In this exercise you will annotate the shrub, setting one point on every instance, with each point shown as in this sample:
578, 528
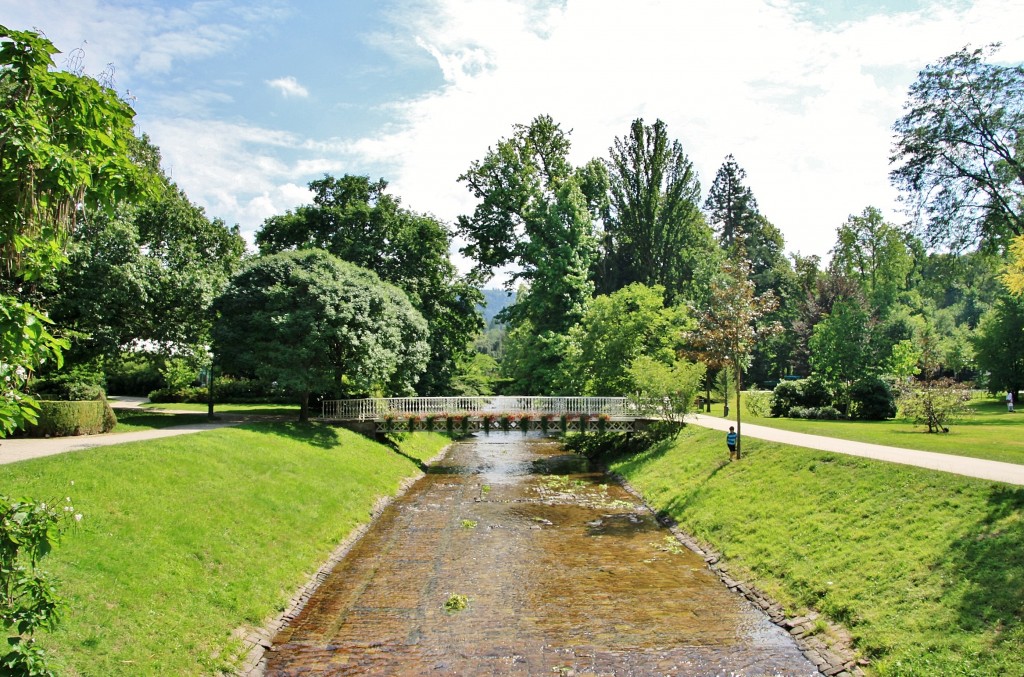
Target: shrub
134, 374
62, 419
815, 394
81, 382
872, 399
823, 413
786, 396
758, 403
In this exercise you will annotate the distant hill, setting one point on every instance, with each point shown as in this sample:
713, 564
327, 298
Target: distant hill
494, 301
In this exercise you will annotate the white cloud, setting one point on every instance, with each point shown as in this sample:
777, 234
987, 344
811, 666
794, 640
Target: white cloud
802, 107
288, 87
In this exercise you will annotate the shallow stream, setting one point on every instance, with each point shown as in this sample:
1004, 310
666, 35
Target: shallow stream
563, 572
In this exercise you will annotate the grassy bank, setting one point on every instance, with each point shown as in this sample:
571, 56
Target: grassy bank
187, 539
925, 568
989, 432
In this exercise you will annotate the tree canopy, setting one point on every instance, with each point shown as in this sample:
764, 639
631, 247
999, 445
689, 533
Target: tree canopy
958, 148
314, 323
357, 220
654, 232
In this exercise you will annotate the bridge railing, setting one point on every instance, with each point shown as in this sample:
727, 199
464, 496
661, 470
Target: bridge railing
378, 408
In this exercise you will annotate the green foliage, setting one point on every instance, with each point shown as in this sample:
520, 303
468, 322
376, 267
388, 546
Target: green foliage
360, 222
29, 600
61, 419
534, 361
315, 323
839, 348
758, 403
875, 253
935, 403
135, 374
25, 343
817, 413
615, 330
456, 602
803, 393
999, 345
81, 382
655, 233
958, 150
665, 391
902, 362
534, 211
871, 399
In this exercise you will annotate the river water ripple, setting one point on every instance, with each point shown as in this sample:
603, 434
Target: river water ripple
564, 574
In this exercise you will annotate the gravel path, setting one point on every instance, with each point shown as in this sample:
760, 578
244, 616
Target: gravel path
997, 471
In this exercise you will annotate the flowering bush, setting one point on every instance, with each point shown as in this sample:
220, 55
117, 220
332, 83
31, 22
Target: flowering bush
28, 598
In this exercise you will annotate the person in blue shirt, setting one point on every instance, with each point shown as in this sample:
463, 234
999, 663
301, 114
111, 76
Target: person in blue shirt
730, 440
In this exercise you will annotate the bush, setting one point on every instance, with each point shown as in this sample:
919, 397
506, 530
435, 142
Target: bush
758, 403
226, 390
815, 394
822, 413
62, 419
786, 396
81, 382
134, 374
871, 399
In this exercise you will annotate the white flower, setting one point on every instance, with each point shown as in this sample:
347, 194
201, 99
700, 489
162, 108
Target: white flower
78, 517
42, 506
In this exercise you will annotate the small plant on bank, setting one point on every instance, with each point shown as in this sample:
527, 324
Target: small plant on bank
469, 524
455, 603
28, 598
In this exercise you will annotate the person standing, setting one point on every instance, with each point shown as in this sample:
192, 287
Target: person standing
1009, 401
730, 441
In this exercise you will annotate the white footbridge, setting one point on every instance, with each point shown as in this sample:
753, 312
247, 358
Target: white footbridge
489, 413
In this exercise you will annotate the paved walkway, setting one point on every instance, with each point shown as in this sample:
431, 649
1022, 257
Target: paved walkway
997, 471
24, 448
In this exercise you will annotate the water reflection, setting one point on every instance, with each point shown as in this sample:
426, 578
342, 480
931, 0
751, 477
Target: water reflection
563, 570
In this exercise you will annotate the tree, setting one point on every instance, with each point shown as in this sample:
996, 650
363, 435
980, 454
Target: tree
65, 150
875, 254
534, 212
999, 346
840, 349
654, 233
665, 391
615, 331
360, 222
935, 403
731, 323
958, 150
315, 323
731, 206
147, 274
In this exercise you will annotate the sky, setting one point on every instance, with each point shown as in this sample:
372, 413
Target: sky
249, 100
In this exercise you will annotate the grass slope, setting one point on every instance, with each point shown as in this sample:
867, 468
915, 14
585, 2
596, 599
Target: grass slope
925, 568
187, 539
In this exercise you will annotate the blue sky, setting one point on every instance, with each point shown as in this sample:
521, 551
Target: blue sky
251, 99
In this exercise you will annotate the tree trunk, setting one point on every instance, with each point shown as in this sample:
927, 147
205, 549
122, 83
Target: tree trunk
304, 407
739, 429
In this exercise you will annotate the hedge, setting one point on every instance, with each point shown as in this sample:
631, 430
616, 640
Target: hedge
61, 419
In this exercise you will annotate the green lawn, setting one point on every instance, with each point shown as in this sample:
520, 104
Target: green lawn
132, 420
925, 568
187, 539
989, 432
267, 409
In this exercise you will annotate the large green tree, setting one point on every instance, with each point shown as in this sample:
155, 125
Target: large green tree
876, 254
840, 350
957, 150
535, 213
315, 323
357, 220
145, 274
654, 233
65, 151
